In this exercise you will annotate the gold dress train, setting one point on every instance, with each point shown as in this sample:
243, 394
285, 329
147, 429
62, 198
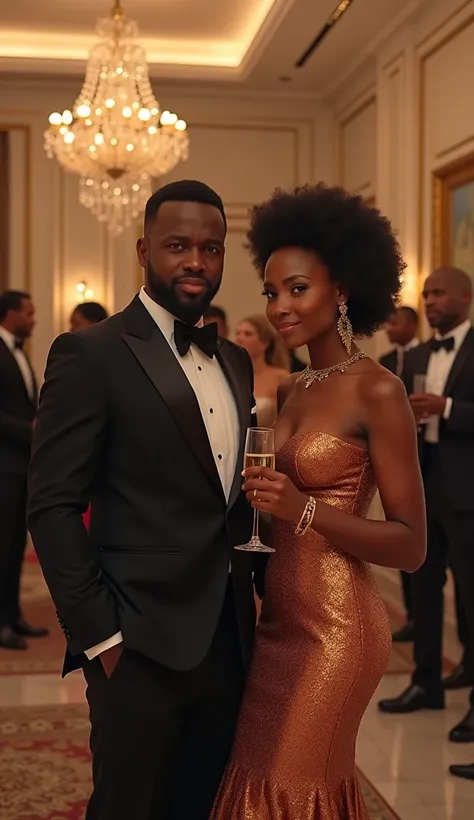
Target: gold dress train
322, 645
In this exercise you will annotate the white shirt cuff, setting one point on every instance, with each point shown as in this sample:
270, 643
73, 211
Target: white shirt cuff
102, 647
448, 407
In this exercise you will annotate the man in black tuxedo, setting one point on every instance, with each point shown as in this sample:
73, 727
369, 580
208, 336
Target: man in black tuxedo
445, 413
402, 330
144, 415
18, 400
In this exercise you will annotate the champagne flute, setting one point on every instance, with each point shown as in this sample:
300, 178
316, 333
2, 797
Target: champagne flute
419, 387
259, 452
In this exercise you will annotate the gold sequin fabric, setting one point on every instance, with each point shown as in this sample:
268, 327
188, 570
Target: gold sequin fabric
322, 645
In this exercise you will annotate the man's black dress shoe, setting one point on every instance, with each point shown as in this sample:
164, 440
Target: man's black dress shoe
10, 640
25, 629
464, 731
404, 635
458, 679
411, 700
467, 772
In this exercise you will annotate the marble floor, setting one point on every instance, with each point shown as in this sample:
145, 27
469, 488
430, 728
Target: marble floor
405, 757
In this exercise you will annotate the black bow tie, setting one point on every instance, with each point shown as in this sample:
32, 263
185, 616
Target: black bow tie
439, 344
204, 337
18, 344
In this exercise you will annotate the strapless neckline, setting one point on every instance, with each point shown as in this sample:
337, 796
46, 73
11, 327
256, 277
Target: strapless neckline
323, 434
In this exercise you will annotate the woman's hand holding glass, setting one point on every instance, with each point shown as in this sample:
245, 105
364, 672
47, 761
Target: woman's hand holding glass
274, 493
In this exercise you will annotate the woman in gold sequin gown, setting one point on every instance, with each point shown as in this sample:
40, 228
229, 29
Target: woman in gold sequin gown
323, 639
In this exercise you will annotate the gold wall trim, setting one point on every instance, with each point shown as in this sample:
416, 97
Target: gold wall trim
272, 127
455, 147
442, 25
445, 180
399, 56
423, 59
342, 124
26, 130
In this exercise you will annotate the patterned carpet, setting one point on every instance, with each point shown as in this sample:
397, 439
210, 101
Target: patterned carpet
45, 768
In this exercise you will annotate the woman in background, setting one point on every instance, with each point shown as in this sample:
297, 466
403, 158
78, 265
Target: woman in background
87, 314
270, 364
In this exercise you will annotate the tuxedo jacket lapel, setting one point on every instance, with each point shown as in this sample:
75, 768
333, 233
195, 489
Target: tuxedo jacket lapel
158, 361
465, 354
416, 362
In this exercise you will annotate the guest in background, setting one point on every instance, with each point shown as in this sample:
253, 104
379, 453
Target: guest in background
445, 415
218, 315
18, 400
270, 364
402, 330
87, 314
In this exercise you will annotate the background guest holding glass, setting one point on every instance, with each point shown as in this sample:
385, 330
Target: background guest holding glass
445, 415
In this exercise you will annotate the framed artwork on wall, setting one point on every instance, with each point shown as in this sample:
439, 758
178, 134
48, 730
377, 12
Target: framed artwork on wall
453, 216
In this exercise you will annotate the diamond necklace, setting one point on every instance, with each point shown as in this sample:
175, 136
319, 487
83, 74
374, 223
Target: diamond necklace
309, 376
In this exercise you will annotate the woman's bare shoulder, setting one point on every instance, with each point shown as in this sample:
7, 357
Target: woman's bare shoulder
378, 385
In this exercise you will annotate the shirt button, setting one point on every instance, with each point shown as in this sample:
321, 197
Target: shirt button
211, 410
219, 457
199, 367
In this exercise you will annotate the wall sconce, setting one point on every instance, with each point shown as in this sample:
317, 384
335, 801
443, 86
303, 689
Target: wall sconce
83, 292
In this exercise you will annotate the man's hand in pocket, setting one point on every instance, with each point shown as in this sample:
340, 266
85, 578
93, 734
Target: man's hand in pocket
110, 658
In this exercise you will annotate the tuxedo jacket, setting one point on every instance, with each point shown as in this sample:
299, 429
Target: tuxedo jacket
17, 412
456, 434
390, 361
119, 426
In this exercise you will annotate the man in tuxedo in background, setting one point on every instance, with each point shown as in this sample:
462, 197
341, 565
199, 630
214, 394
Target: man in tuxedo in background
218, 315
445, 414
145, 415
402, 328
18, 400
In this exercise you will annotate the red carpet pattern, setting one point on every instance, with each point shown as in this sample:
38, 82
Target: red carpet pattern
45, 767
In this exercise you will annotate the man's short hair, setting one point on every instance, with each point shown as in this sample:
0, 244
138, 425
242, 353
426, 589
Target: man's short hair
215, 312
186, 190
92, 312
410, 313
11, 300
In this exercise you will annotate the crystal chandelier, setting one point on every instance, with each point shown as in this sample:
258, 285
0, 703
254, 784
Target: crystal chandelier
116, 137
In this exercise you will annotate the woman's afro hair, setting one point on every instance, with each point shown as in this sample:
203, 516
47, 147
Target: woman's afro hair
354, 240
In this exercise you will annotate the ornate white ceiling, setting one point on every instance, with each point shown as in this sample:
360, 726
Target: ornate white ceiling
251, 42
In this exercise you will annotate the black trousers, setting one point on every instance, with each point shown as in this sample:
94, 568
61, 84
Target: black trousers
407, 596
450, 543
161, 739
463, 633
12, 544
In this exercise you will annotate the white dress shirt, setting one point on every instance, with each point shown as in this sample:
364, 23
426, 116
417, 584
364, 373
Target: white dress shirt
218, 410
21, 360
439, 368
401, 350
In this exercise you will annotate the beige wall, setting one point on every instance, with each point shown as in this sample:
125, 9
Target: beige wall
406, 112
402, 115
243, 146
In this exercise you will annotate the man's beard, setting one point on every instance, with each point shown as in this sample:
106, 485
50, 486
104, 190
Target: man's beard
165, 294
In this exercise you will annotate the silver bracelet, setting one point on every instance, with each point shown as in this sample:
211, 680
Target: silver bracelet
307, 518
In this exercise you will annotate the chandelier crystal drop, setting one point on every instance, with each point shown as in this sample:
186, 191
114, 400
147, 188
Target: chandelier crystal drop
116, 137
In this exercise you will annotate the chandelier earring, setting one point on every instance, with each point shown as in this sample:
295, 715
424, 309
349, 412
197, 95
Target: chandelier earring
344, 327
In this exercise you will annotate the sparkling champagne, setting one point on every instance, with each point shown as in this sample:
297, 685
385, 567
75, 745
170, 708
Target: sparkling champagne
259, 452
259, 460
